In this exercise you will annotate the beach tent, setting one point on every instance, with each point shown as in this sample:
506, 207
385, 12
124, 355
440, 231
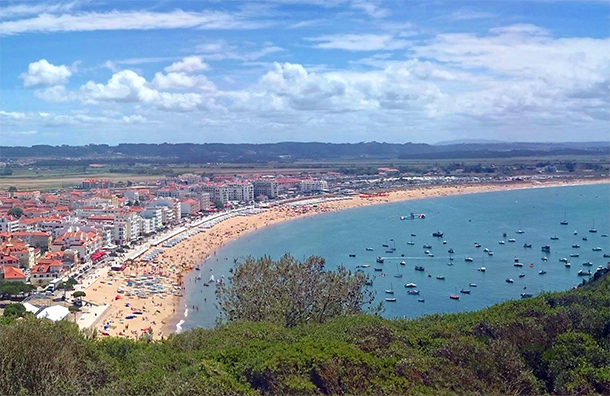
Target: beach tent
30, 308
54, 313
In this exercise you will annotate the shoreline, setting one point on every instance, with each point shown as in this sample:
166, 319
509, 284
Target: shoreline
194, 251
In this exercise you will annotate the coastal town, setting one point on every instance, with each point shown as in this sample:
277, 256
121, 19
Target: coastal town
112, 256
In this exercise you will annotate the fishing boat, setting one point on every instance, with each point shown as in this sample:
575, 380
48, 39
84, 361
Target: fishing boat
413, 235
584, 273
410, 285
606, 255
469, 259
419, 268
391, 299
563, 260
426, 246
574, 255
509, 280
521, 275
585, 238
440, 277
597, 249
587, 264
546, 249
454, 297
526, 295
413, 292
385, 245
576, 246
482, 269
472, 284
450, 258
568, 264
490, 253
512, 240
541, 272
369, 249
517, 264
451, 251
379, 260
544, 258
477, 245
437, 234
465, 291
378, 269
527, 245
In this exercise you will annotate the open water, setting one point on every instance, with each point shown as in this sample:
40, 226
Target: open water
464, 220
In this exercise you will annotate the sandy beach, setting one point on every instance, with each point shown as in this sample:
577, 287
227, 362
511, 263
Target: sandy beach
158, 314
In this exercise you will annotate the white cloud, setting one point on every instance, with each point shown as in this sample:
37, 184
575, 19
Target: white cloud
369, 7
220, 50
57, 93
181, 81
43, 73
126, 20
127, 86
189, 64
25, 9
360, 42
469, 15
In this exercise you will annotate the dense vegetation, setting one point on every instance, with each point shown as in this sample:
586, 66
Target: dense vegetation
289, 292
555, 343
288, 151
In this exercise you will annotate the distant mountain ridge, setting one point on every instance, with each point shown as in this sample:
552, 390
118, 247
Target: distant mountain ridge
290, 151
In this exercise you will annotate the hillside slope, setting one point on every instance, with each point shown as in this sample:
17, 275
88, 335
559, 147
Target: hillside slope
555, 343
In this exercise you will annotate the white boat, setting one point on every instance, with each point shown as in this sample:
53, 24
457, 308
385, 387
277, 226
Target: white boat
369, 249
469, 259
501, 242
410, 285
482, 269
512, 240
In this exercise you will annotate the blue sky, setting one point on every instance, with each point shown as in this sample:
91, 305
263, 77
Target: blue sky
79, 72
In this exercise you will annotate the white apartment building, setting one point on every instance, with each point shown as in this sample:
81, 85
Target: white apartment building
311, 185
242, 191
9, 224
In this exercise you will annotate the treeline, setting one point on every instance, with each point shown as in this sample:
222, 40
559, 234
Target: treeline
290, 151
556, 343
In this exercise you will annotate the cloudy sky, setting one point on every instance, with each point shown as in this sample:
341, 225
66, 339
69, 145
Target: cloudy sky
78, 72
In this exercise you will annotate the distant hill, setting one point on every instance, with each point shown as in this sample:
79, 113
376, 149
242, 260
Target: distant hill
291, 151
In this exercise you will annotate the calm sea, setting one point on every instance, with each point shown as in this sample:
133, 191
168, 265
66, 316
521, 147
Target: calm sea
464, 220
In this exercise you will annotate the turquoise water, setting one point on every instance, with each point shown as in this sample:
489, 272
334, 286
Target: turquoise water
464, 219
